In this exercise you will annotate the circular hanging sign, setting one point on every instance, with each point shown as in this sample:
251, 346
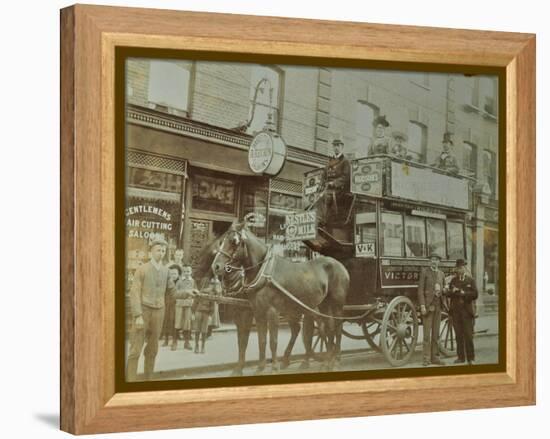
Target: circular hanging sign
267, 153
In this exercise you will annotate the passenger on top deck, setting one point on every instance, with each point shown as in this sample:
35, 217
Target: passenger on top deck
398, 149
380, 143
446, 160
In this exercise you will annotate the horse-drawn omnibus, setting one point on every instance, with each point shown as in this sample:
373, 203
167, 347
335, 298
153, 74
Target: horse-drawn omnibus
383, 230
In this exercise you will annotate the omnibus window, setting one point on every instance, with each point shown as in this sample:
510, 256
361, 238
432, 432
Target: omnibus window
455, 240
365, 228
436, 237
392, 234
415, 237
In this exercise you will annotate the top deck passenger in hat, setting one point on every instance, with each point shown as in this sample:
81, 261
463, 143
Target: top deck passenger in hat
380, 143
446, 160
147, 299
398, 147
338, 168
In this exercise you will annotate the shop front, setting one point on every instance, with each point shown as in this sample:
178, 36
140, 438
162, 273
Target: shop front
188, 184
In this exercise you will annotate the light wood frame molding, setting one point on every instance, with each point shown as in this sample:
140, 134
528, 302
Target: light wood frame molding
89, 35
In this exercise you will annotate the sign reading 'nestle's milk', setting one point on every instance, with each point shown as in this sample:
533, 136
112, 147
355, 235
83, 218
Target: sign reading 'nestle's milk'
301, 226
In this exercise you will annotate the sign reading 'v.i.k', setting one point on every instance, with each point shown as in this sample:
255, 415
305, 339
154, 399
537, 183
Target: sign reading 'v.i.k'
365, 249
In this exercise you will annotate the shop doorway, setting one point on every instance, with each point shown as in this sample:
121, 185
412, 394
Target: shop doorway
201, 233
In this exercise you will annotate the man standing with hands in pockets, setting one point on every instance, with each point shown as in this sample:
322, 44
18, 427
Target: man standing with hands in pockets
430, 289
149, 286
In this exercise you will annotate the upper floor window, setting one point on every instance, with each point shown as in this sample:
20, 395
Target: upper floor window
484, 95
265, 97
421, 78
364, 118
418, 134
169, 83
489, 169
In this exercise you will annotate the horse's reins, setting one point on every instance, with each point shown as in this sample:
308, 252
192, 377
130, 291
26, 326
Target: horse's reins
269, 279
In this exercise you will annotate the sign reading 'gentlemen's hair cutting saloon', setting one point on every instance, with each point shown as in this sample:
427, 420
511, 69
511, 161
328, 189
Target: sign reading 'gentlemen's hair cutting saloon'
267, 153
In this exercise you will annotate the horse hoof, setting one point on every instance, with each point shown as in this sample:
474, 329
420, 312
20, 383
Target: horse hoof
304, 365
285, 364
274, 367
259, 371
237, 373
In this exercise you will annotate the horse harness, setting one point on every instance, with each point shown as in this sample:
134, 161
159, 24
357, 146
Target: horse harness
266, 273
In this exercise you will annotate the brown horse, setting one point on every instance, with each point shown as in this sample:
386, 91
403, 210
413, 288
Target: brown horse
243, 317
320, 285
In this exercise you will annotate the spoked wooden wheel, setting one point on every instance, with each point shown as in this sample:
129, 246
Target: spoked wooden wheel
372, 329
318, 342
447, 336
399, 331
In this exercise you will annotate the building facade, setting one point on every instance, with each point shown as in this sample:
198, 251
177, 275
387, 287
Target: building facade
189, 126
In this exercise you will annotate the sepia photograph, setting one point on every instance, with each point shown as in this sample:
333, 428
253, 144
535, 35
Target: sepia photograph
293, 219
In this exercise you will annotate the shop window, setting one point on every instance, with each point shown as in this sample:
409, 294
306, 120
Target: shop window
214, 194
281, 205
392, 234
455, 240
490, 255
265, 97
155, 180
470, 249
417, 141
169, 83
255, 201
415, 237
436, 237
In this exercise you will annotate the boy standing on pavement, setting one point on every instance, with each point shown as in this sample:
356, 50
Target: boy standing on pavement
147, 296
185, 291
204, 308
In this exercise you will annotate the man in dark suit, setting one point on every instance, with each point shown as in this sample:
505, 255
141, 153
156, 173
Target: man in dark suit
463, 292
430, 289
338, 182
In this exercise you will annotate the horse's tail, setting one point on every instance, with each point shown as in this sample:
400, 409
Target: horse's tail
338, 280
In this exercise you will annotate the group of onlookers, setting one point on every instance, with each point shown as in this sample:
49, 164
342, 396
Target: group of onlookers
165, 302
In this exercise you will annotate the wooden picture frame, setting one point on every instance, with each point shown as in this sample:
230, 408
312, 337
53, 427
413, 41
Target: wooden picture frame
90, 36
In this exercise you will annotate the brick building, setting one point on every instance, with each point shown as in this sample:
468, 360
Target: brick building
177, 110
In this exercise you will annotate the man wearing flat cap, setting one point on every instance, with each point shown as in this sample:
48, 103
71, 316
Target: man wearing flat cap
430, 289
446, 160
147, 299
463, 292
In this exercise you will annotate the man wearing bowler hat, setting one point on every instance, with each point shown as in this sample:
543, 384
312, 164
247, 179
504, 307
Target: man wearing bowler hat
147, 300
463, 292
430, 289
